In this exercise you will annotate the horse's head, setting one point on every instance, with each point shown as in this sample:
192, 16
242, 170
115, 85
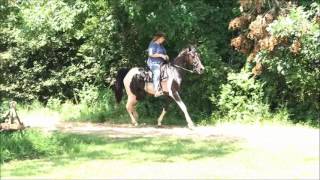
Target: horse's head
193, 60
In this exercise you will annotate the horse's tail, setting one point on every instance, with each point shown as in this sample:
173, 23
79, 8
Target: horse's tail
118, 88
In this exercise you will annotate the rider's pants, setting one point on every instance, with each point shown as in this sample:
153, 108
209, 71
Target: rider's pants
155, 68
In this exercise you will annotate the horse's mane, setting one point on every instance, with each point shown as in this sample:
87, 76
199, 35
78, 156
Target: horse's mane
182, 52
180, 55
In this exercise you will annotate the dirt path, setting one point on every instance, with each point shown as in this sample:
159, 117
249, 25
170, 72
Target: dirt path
257, 134
126, 130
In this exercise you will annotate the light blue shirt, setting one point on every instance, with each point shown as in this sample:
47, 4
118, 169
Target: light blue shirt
155, 48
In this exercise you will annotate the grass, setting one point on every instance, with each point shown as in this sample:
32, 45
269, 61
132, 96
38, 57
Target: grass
51, 152
73, 156
264, 152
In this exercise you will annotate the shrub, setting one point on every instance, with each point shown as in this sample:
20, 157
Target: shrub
54, 103
293, 69
28, 145
33, 143
241, 99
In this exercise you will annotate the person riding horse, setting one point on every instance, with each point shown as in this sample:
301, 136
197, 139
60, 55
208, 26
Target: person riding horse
157, 55
136, 83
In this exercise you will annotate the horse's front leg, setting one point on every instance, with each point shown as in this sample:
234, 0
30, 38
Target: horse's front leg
169, 86
164, 110
183, 107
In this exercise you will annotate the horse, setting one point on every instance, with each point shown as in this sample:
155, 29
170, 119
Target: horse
136, 85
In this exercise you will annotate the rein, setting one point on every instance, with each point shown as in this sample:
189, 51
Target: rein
182, 68
188, 70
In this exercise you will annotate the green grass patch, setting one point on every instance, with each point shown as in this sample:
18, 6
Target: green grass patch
74, 156
61, 149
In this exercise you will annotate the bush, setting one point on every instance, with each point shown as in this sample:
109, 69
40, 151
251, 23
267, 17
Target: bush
93, 105
292, 70
282, 46
50, 54
27, 145
241, 99
54, 103
33, 143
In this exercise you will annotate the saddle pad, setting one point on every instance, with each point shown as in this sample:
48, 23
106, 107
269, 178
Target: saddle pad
163, 73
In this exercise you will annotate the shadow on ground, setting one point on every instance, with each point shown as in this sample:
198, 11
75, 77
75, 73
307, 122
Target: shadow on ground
72, 148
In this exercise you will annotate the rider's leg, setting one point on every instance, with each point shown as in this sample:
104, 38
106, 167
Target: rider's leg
155, 68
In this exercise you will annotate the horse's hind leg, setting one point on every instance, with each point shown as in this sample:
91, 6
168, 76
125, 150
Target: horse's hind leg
131, 108
161, 116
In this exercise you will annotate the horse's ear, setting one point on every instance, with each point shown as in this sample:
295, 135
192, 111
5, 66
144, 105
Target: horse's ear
192, 48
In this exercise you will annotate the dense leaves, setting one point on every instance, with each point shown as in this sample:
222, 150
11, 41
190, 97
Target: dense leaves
297, 62
51, 50
56, 46
282, 45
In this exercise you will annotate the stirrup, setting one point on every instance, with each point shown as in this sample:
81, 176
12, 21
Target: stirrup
158, 93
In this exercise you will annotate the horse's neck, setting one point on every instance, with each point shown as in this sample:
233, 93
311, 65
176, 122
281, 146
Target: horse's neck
180, 61
177, 72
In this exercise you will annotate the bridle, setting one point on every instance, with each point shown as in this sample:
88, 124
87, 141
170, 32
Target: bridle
194, 64
185, 69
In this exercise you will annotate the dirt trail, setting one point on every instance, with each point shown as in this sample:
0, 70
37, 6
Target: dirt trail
257, 135
126, 130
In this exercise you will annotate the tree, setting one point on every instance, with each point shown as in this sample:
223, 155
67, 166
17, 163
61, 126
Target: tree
280, 42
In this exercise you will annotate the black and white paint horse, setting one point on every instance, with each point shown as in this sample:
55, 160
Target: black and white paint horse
136, 86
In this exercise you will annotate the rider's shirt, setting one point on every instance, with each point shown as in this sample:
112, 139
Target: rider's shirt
155, 48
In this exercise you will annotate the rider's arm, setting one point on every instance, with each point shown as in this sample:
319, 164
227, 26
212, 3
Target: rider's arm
152, 52
156, 55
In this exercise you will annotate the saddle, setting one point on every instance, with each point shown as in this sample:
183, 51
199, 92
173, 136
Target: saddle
163, 73
144, 76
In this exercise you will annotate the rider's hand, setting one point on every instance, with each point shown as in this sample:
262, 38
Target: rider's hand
166, 57
163, 56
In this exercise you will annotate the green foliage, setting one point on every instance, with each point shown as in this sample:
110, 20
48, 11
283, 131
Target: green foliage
67, 52
66, 148
94, 105
53, 48
48, 64
54, 103
33, 143
242, 99
288, 52
294, 69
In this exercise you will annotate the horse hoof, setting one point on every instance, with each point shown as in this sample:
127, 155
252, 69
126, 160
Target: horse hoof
134, 124
160, 126
191, 127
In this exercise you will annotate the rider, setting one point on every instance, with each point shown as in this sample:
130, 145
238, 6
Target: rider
157, 55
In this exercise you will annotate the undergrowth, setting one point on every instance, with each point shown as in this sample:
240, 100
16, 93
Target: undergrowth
32, 143
241, 102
